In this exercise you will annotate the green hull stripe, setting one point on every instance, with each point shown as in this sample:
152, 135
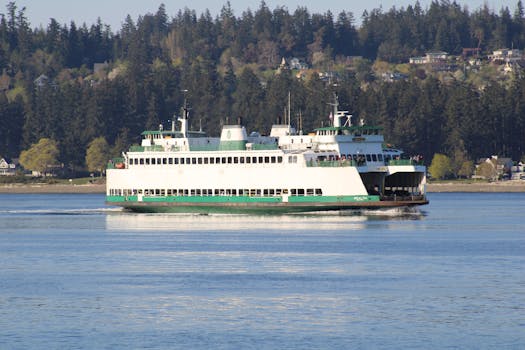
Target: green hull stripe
241, 199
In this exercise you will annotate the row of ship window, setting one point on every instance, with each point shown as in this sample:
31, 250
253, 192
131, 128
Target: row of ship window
267, 192
360, 158
212, 160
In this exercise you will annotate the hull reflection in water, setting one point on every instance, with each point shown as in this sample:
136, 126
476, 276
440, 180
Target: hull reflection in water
345, 220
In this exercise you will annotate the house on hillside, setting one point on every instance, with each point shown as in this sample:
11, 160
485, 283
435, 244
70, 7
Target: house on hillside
436, 57
296, 64
7, 167
41, 81
506, 55
391, 77
471, 52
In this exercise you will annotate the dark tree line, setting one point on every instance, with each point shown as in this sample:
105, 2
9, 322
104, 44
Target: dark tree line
224, 64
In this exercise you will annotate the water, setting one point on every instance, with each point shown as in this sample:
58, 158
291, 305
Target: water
77, 275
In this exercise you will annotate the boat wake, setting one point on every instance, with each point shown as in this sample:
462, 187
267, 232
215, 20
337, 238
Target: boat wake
61, 211
402, 212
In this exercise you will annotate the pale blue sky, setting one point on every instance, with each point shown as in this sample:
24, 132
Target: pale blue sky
113, 12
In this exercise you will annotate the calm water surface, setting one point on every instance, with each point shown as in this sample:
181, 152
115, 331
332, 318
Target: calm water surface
77, 275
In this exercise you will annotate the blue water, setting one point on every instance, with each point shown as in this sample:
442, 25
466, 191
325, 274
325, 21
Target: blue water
77, 275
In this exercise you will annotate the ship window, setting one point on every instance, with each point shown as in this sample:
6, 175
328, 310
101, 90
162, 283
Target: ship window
164, 160
188, 160
229, 160
193, 160
175, 160
254, 160
217, 192
368, 158
318, 192
374, 157
235, 160
206, 160
248, 160
272, 192
159, 161
265, 192
241, 160
147, 161
170, 160
182, 160
198, 192
293, 191
279, 159
154, 161
141, 160
273, 159
169, 193
267, 159
310, 192
223, 160
261, 160
157, 192
300, 192
380, 157
199, 160
212, 160
162, 192
234, 192
192, 193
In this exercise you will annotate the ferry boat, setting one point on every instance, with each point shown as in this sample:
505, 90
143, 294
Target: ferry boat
338, 167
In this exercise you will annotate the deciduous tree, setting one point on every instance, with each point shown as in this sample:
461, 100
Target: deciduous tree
40, 156
97, 155
441, 166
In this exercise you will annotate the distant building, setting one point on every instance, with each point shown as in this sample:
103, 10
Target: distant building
295, 63
41, 81
506, 55
470, 52
7, 167
430, 58
502, 166
390, 77
100, 67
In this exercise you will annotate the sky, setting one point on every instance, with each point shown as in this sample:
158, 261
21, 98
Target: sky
113, 12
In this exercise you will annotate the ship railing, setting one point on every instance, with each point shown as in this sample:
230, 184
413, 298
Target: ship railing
153, 148
404, 162
330, 163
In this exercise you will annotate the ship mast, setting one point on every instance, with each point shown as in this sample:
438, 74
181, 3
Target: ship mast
184, 119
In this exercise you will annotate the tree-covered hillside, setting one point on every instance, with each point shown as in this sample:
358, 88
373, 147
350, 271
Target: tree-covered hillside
74, 83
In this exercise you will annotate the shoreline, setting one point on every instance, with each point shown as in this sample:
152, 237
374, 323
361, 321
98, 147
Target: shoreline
52, 188
442, 187
477, 187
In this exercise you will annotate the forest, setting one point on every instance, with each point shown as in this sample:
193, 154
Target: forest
228, 67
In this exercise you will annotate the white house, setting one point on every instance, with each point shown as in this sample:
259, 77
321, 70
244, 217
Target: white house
431, 57
7, 167
506, 55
